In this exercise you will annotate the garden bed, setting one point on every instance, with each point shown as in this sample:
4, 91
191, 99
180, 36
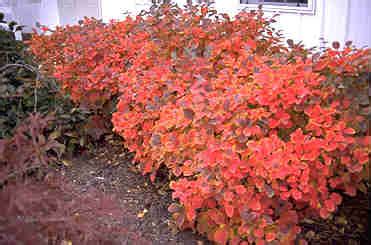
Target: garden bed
111, 170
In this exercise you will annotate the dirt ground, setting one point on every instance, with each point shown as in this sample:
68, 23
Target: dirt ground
110, 169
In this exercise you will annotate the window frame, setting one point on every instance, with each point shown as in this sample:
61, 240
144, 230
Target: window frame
310, 9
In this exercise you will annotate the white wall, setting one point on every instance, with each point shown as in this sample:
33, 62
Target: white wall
71, 11
359, 25
333, 20
26, 13
49, 13
113, 9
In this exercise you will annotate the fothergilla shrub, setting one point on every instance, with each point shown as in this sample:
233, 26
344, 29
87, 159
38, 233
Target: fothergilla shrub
86, 58
257, 135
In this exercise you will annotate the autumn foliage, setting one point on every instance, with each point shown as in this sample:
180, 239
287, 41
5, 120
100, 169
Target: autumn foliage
257, 135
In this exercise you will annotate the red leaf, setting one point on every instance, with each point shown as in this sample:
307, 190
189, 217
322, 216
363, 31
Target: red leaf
152, 177
204, 11
240, 189
228, 196
217, 216
270, 236
336, 198
259, 233
260, 242
229, 210
255, 205
330, 205
349, 131
191, 214
296, 194
221, 235
324, 213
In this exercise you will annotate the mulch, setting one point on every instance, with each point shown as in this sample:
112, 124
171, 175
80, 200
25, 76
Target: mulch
110, 169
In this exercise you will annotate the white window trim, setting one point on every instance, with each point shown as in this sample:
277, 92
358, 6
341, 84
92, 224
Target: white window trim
310, 9
100, 12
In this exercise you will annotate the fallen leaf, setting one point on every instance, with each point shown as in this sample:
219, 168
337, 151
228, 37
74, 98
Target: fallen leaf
141, 214
64, 242
66, 163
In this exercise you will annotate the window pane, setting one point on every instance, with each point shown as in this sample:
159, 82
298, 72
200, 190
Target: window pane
298, 1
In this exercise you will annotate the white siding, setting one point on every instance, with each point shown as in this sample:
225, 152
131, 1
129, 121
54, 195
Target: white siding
26, 13
333, 20
49, 13
359, 22
71, 11
113, 9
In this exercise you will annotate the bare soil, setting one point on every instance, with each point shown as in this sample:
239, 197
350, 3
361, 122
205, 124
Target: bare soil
111, 170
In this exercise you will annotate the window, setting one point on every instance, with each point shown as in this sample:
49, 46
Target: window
294, 6
292, 3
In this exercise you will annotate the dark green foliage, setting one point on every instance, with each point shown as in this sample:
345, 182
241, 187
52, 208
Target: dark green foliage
18, 83
23, 90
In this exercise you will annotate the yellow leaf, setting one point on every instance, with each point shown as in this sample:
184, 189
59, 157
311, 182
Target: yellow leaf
141, 214
66, 163
64, 242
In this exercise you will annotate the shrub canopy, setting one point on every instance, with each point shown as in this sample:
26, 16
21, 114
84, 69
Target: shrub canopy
256, 134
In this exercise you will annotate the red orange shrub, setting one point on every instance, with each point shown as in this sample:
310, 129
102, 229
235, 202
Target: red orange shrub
87, 58
257, 135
